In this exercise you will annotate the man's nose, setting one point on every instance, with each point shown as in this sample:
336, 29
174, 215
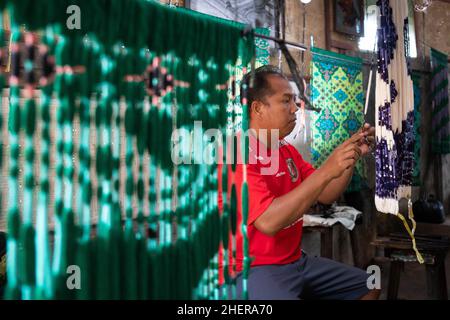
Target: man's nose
295, 106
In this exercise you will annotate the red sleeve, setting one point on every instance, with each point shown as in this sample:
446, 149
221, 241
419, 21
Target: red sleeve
306, 169
259, 194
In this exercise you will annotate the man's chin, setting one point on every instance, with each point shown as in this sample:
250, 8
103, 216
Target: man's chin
290, 129
284, 135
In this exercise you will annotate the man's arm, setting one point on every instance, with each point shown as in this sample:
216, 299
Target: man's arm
335, 188
285, 210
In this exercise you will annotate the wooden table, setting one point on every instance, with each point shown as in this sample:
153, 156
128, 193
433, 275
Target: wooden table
398, 248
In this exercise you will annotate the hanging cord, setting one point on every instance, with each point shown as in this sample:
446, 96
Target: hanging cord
369, 86
298, 79
301, 103
277, 30
293, 67
302, 69
424, 15
411, 231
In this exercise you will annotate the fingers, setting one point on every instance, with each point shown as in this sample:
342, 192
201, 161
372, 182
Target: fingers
354, 149
352, 154
349, 163
353, 139
368, 130
370, 140
349, 156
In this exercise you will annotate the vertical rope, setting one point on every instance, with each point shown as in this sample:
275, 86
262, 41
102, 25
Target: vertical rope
129, 240
29, 120
14, 125
84, 245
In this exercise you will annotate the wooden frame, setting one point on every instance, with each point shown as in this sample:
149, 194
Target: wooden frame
349, 17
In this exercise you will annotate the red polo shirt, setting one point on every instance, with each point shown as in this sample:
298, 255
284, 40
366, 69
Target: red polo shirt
284, 172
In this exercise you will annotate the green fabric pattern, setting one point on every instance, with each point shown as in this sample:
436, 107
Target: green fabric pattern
440, 142
135, 223
337, 89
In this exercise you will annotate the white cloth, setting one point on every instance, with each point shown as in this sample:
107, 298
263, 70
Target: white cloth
342, 214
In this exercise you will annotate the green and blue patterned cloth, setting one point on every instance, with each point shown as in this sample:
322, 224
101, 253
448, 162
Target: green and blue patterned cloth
336, 89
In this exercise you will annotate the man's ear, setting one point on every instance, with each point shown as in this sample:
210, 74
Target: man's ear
256, 108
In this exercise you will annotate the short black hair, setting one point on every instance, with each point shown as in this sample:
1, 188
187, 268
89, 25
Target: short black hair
260, 88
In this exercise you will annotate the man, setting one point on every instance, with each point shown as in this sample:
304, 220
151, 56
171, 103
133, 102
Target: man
279, 199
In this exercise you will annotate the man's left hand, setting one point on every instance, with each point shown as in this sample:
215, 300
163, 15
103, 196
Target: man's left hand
367, 142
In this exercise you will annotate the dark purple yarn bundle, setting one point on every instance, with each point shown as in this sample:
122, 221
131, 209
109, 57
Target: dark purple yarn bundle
394, 101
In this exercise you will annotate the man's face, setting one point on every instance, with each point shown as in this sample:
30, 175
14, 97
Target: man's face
277, 110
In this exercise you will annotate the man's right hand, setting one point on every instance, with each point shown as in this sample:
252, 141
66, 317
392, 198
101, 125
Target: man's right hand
343, 157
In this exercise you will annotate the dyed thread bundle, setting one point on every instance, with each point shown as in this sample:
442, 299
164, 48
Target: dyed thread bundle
103, 102
394, 100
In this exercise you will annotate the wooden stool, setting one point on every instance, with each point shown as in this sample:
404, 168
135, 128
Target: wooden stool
397, 247
326, 241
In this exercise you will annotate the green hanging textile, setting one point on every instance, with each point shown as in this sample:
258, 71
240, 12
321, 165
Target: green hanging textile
337, 89
117, 209
14, 221
2, 199
440, 141
262, 48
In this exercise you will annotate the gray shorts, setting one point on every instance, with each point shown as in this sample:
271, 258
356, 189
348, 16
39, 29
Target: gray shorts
307, 278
